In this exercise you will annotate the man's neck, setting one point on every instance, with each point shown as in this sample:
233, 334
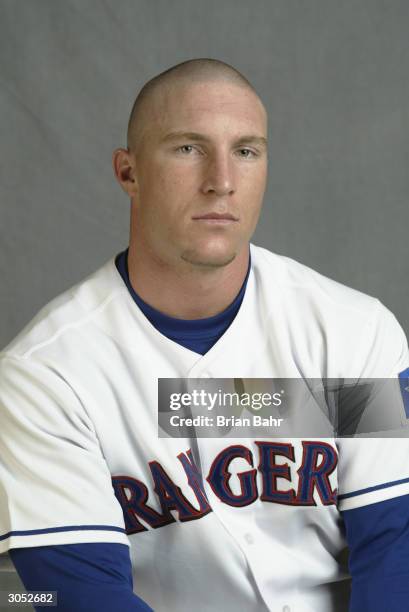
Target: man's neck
189, 292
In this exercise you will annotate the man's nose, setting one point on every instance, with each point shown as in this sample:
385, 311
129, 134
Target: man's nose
219, 176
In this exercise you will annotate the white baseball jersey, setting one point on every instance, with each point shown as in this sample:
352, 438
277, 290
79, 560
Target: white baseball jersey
208, 525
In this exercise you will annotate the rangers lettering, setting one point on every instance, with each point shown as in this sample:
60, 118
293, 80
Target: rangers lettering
318, 462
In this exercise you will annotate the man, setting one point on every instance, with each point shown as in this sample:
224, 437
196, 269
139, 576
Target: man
211, 524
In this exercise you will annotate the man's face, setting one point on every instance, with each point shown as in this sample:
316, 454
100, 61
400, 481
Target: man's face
200, 173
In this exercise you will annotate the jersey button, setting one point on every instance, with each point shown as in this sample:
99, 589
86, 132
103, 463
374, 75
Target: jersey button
249, 538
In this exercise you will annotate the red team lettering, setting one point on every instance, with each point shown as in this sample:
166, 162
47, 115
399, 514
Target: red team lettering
319, 460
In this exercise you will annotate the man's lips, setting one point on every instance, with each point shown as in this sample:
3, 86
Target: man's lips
216, 217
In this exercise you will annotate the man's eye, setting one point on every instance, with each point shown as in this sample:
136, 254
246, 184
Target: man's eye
186, 149
246, 153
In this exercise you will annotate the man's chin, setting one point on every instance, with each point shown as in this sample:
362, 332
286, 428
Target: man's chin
208, 260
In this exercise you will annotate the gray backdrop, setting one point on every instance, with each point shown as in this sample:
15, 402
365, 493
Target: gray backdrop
332, 74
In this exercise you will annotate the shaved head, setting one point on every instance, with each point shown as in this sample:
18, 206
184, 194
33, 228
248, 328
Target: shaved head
189, 72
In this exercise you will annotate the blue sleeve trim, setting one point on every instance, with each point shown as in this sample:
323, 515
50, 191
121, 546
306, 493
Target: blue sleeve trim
384, 485
66, 528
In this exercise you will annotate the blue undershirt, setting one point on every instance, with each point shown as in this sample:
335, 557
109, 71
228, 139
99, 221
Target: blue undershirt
97, 577
198, 335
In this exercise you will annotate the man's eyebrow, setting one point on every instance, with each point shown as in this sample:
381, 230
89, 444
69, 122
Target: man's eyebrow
252, 139
247, 139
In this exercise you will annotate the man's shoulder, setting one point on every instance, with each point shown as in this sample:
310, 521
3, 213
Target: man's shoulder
74, 309
305, 284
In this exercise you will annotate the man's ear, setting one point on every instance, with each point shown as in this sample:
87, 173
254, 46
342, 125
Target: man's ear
123, 163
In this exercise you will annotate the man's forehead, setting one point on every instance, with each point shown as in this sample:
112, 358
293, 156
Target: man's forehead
203, 94
205, 106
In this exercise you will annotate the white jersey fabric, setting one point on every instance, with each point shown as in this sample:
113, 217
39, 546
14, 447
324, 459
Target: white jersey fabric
78, 411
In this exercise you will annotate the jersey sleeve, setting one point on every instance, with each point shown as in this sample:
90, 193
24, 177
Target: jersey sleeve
55, 486
378, 541
87, 577
375, 466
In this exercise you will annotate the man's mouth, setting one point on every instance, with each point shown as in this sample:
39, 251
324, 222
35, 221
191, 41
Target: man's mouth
216, 218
